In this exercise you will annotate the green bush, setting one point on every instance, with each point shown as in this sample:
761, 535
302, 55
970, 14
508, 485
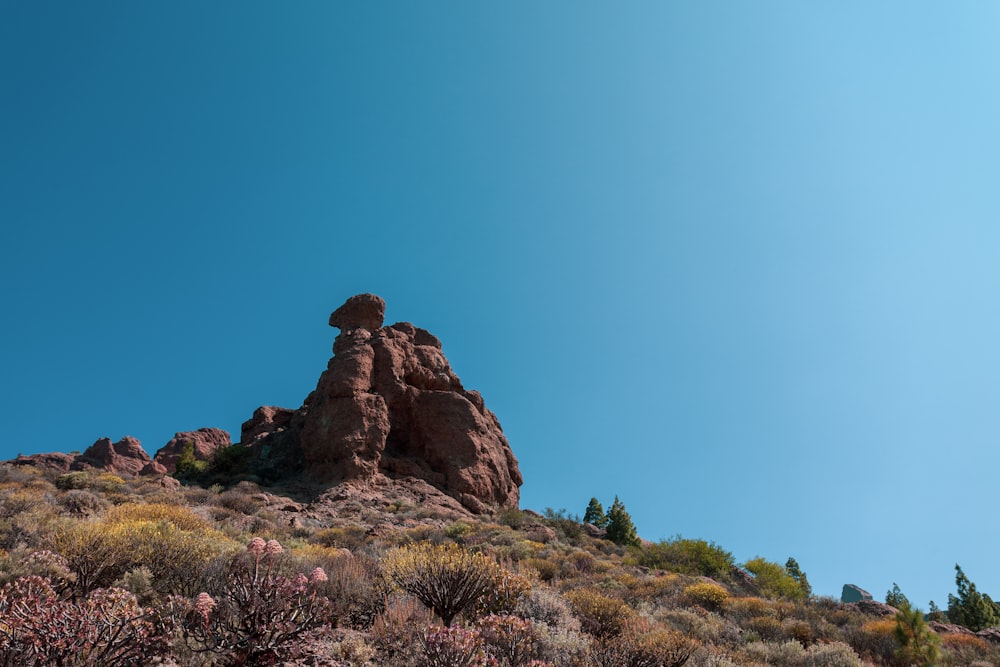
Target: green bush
774, 580
686, 556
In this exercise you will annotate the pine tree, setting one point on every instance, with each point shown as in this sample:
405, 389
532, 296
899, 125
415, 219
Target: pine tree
620, 528
796, 573
971, 608
896, 598
918, 644
595, 514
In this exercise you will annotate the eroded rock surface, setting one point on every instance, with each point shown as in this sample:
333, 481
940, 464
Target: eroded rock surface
205, 441
390, 404
125, 457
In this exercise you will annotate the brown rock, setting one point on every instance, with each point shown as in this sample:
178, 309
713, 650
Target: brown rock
948, 628
265, 421
206, 442
56, 461
125, 457
154, 468
873, 608
990, 635
364, 311
389, 403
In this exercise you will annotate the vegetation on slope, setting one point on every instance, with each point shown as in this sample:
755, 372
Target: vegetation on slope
98, 570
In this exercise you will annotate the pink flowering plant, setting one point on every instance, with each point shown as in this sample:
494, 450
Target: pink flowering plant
258, 612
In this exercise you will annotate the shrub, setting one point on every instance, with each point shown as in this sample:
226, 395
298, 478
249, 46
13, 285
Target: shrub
774, 580
344, 537
73, 480
258, 613
971, 608
546, 569
834, 654
395, 633
452, 647
706, 594
765, 627
106, 629
875, 639
600, 615
694, 557
509, 640
643, 645
445, 577
544, 605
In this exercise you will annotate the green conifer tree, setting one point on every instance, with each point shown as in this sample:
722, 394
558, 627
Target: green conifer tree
595, 514
896, 598
971, 608
620, 528
796, 573
918, 644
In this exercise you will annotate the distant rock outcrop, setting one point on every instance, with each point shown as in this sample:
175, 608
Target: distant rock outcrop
205, 441
125, 457
57, 461
389, 404
852, 593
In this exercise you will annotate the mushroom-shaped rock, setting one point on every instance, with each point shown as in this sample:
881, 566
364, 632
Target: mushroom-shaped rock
363, 311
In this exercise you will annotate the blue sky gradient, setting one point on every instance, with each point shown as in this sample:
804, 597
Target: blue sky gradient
734, 262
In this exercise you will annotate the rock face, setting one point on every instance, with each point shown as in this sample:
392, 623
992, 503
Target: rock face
852, 593
51, 461
390, 404
125, 457
205, 441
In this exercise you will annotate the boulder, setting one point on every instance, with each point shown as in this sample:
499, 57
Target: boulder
125, 458
852, 593
206, 441
364, 311
266, 420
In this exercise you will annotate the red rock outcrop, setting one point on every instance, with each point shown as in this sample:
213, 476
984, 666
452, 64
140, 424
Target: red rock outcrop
50, 461
205, 441
390, 404
125, 457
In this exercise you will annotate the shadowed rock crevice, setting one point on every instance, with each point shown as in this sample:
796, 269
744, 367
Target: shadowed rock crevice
389, 404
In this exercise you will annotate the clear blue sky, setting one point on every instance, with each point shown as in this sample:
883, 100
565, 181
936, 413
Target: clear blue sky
734, 262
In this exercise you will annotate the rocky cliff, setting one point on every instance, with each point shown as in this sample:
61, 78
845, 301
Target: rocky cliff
389, 405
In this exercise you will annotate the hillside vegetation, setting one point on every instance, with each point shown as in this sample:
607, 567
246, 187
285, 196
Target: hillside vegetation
100, 570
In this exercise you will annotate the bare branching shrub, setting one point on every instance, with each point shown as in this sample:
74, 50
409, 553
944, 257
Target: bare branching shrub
445, 577
344, 537
834, 654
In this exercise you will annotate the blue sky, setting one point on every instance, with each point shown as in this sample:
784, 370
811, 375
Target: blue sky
733, 262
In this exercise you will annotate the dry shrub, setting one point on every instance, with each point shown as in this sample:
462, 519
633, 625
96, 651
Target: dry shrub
546, 569
704, 627
82, 503
344, 537
706, 594
356, 590
395, 632
181, 517
775, 654
742, 609
653, 588
962, 649
239, 499
599, 615
509, 640
643, 644
799, 630
834, 654
765, 627
875, 640
544, 605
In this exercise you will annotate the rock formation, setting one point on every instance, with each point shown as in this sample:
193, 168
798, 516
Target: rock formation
206, 441
389, 404
125, 457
